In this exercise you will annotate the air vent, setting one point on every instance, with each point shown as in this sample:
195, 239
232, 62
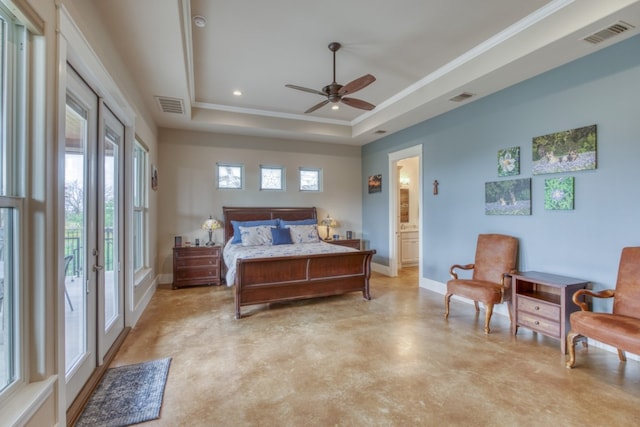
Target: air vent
380, 132
611, 31
463, 96
170, 105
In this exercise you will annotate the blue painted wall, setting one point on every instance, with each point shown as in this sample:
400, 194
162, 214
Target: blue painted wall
460, 151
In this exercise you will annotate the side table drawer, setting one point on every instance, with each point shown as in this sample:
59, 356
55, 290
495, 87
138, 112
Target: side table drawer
198, 251
540, 324
198, 262
197, 273
539, 308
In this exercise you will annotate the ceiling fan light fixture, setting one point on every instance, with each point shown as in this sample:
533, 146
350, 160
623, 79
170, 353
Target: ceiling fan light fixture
335, 107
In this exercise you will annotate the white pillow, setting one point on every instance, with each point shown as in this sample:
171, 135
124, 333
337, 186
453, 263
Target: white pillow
259, 235
304, 233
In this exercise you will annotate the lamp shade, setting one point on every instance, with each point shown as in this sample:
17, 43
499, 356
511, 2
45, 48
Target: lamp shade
211, 224
329, 222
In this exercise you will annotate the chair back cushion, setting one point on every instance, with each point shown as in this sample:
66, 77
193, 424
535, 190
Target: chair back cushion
496, 254
627, 298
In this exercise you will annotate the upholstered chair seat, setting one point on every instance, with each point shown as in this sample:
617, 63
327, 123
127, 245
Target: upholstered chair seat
621, 328
495, 260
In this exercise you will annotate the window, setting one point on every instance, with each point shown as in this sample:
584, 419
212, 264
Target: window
310, 179
230, 176
140, 206
271, 177
12, 173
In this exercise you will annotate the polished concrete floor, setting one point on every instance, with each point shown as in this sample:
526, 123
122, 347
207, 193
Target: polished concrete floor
391, 361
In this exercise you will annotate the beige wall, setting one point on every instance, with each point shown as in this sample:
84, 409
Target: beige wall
187, 182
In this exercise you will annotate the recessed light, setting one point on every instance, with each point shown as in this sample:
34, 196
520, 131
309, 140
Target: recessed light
200, 21
237, 93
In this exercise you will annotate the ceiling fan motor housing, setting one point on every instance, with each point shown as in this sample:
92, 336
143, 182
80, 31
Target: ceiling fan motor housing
332, 92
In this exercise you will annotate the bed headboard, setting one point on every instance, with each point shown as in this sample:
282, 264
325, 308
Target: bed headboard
256, 213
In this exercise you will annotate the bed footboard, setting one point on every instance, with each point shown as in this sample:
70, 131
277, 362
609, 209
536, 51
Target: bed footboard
265, 280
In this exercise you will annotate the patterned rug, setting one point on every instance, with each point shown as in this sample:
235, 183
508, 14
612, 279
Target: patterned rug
127, 395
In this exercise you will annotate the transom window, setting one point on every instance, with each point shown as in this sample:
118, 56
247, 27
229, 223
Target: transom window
310, 179
271, 177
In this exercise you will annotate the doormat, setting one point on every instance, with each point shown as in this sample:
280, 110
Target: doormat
127, 395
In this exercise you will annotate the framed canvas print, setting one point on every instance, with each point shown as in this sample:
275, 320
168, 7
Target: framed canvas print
510, 197
509, 161
565, 151
375, 183
559, 193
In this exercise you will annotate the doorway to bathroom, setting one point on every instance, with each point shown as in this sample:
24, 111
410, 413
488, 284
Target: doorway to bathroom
405, 210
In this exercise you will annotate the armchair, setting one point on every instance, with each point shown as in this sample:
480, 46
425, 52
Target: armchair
621, 328
496, 257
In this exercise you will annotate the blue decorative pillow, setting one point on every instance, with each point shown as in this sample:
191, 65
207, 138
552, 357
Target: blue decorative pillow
236, 227
310, 221
281, 236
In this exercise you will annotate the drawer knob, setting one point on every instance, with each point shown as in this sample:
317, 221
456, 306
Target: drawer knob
537, 308
537, 322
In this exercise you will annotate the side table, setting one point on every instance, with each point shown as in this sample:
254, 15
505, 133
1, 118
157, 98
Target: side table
542, 302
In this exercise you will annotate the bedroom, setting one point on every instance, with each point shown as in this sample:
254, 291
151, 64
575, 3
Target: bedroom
459, 151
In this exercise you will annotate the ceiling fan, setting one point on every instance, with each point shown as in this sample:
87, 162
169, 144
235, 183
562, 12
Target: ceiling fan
335, 92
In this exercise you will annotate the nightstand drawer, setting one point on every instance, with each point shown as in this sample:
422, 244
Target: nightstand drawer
539, 308
351, 243
540, 324
198, 262
200, 251
197, 273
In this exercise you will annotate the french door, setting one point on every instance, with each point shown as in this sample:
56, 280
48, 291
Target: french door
93, 280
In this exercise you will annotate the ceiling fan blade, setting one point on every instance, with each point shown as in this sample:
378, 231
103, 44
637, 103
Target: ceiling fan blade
358, 103
315, 107
306, 89
357, 84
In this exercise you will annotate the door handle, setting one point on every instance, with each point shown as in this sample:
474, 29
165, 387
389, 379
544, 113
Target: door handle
97, 267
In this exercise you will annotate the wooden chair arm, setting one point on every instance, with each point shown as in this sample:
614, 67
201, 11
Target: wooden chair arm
505, 276
607, 293
454, 275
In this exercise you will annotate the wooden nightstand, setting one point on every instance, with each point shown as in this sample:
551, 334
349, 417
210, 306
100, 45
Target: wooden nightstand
352, 243
196, 266
542, 302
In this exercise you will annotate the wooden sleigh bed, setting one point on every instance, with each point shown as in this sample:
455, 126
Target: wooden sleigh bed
288, 278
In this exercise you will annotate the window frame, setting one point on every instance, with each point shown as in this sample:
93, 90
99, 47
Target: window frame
141, 183
13, 116
318, 172
281, 169
235, 166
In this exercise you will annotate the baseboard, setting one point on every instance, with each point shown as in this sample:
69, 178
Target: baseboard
382, 269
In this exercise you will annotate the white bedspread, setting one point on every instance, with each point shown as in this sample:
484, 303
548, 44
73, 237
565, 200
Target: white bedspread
232, 252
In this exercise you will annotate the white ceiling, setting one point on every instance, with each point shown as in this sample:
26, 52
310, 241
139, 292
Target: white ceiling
422, 53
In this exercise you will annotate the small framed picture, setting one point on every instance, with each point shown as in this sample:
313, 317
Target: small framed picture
375, 183
177, 241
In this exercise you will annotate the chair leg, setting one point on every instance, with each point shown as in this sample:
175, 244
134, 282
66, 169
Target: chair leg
622, 356
477, 306
447, 299
571, 346
66, 294
487, 318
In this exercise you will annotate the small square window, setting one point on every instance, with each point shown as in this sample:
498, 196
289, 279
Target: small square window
230, 176
271, 177
310, 179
